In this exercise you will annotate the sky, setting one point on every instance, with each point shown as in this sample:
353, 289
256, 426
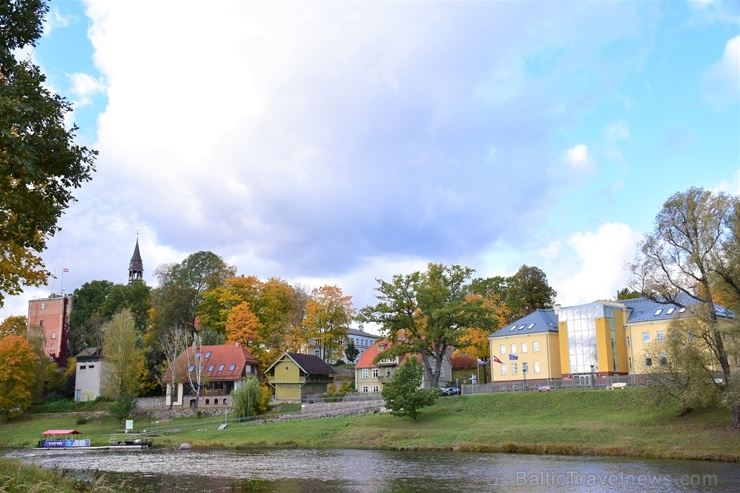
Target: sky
343, 142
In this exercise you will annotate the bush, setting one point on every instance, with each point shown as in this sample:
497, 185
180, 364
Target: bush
247, 398
122, 407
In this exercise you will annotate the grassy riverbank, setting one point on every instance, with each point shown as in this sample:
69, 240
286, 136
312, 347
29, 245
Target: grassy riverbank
620, 422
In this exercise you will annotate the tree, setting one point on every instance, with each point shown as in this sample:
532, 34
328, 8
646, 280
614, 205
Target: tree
402, 394
246, 399
351, 351
17, 375
426, 313
123, 406
328, 315
693, 241
39, 163
171, 343
528, 291
13, 325
123, 360
197, 378
243, 326
87, 319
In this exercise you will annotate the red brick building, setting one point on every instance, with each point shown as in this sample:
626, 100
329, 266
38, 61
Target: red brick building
51, 316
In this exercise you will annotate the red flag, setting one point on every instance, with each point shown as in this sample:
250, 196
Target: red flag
498, 360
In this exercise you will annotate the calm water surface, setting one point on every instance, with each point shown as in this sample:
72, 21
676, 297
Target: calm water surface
362, 471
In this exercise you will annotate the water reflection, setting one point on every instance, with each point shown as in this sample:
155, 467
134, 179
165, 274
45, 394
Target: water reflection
362, 471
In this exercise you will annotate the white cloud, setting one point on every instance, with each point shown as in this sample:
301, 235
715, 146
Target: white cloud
599, 271
721, 81
579, 159
55, 19
84, 87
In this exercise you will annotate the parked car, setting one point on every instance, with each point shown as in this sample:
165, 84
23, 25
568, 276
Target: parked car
449, 391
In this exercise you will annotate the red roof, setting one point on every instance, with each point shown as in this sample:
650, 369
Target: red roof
366, 360
60, 432
222, 363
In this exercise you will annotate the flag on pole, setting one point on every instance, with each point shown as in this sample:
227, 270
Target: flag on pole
65, 270
513, 357
498, 360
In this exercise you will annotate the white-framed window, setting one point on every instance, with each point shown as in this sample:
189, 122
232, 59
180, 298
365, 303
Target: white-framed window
43, 306
648, 361
524, 347
535, 347
525, 367
442, 372
536, 365
502, 349
645, 337
53, 335
364, 373
365, 389
660, 336
53, 347
503, 369
387, 372
514, 369
376, 389
376, 373
513, 348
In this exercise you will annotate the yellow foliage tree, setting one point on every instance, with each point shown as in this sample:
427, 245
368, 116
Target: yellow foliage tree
17, 375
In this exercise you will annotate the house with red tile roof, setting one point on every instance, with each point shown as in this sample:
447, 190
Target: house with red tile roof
222, 369
371, 377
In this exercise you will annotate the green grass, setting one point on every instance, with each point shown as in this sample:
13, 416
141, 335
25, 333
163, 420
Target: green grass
623, 422
24, 478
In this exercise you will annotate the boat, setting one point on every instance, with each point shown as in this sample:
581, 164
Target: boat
72, 440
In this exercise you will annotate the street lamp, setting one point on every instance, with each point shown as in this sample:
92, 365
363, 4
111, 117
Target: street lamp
524, 372
593, 382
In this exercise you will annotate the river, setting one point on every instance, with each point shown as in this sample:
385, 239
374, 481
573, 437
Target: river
370, 471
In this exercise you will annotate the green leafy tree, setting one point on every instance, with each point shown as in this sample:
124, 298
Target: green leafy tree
122, 407
18, 363
692, 244
402, 394
246, 399
122, 358
351, 351
40, 164
427, 313
628, 294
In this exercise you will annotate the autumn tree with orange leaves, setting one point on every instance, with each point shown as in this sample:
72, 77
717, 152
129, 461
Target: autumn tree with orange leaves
328, 317
17, 375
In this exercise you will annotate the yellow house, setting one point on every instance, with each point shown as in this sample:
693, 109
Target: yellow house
295, 376
603, 338
527, 350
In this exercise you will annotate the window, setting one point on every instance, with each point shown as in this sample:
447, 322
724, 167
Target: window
662, 359
535, 347
648, 361
536, 365
530, 326
658, 311
376, 373
53, 347
670, 310
524, 347
365, 388
364, 373
503, 370
628, 341
232, 367
502, 349
197, 355
387, 372
210, 368
83, 367
41, 323
513, 349
191, 368
43, 306
513, 369
91, 366
442, 372
221, 367
208, 354
53, 335
645, 337
525, 367
376, 389
660, 336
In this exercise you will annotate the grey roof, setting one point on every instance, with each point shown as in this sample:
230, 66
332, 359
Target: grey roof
136, 263
312, 364
90, 352
536, 322
361, 333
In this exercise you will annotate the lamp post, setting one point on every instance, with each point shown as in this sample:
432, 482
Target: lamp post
593, 381
524, 372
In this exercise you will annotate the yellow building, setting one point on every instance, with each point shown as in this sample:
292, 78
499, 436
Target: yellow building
296, 376
599, 339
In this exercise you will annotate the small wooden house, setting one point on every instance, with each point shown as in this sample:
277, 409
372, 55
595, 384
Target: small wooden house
295, 376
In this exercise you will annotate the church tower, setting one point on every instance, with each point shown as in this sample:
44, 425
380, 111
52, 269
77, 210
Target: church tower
136, 266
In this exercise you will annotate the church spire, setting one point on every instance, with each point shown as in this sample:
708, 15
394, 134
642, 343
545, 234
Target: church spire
136, 266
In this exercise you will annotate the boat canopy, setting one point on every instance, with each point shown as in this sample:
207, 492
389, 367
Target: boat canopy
59, 432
